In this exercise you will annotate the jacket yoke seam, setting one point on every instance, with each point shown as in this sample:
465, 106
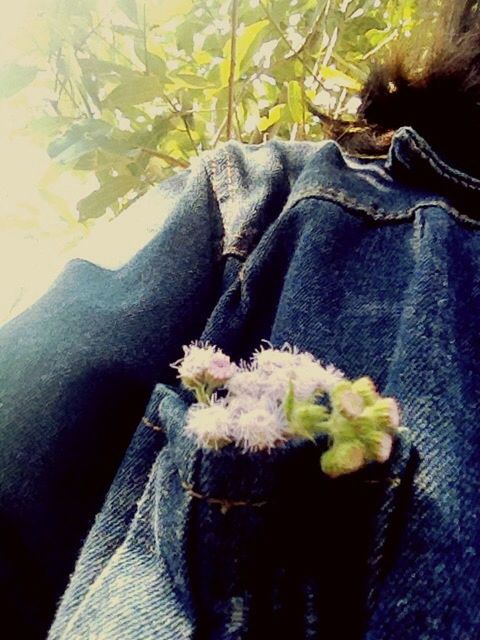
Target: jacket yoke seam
377, 213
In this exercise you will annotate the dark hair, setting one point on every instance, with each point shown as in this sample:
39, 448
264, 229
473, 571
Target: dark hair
430, 81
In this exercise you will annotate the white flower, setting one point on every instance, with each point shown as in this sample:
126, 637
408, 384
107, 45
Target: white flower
329, 377
259, 428
251, 423
280, 366
308, 378
238, 405
220, 369
270, 360
209, 424
248, 382
204, 365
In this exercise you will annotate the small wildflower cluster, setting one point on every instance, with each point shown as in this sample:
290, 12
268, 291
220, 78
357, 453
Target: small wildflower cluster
261, 404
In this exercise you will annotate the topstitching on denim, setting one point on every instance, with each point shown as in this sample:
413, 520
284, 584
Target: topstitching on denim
376, 213
411, 139
251, 183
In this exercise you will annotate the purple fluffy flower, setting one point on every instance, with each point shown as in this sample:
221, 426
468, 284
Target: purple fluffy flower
204, 365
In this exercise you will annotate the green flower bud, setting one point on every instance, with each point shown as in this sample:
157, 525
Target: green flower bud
387, 413
343, 458
307, 419
366, 422
339, 389
342, 428
350, 404
365, 387
379, 445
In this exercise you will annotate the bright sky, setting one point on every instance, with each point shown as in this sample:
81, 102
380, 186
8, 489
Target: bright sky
9, 27
35, 242
29, 251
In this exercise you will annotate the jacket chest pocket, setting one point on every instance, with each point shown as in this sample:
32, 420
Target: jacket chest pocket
265, 543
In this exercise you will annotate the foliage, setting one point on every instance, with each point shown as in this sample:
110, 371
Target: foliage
131, 90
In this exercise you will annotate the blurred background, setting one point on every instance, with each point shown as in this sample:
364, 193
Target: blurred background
102, 99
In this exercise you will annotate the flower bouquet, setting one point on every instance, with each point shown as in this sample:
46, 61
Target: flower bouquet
283, 394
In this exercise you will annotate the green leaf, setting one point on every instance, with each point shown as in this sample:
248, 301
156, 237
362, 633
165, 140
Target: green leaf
339, 78
184, 35
45, 127
248, 15
132, 92
161, 11
224, 71
157, 66
246, 41
95, 204
80, 139
129, 8
274, 116
100, 67
271, 92
244, 49
202, 57
213, 44
280, 9
298, 67
377, 36
14, 78
132, 32
68, 64
294, 100
191, 80
88, 162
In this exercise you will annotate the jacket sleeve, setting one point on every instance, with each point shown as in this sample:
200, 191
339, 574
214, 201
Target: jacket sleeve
76, 370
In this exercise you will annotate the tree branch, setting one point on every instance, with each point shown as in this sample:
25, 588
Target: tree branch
294, 54
173, 162
145, 44
233, 62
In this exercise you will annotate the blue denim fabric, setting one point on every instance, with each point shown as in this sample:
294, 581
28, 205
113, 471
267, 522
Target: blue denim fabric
76, 371
370, 264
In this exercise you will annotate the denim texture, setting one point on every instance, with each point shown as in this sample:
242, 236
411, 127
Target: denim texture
372, 265
248, 564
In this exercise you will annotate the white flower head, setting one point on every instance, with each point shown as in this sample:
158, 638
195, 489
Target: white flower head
280, 366
204, 365
209, 424
259, 428
239, 405
270, 360
330, 376
220, 369
246, 382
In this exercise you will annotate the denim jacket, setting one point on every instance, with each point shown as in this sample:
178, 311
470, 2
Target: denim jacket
370, 264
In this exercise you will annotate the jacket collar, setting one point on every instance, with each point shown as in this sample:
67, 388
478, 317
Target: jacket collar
412, 159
